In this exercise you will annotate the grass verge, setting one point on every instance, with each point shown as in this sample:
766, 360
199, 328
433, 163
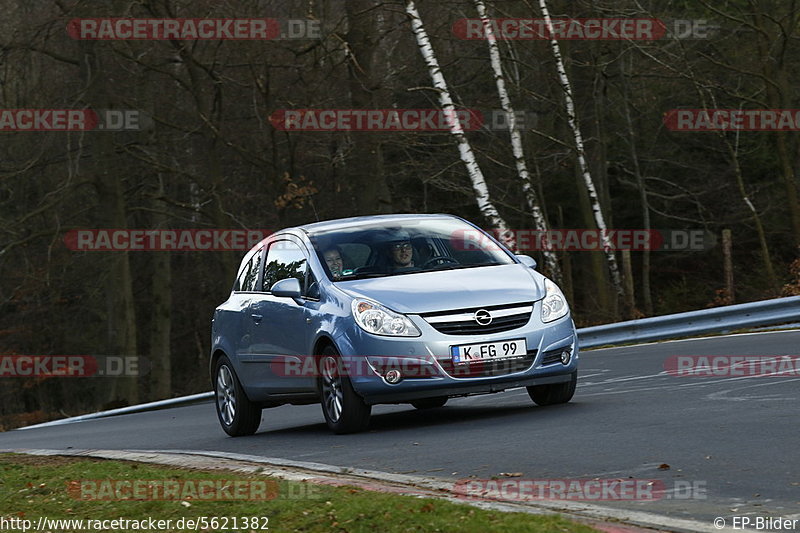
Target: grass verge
81, 489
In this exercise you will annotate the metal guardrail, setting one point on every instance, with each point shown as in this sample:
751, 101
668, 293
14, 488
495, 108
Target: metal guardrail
141, 408
713, 320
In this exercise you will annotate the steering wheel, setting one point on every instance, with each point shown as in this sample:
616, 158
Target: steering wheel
441, 259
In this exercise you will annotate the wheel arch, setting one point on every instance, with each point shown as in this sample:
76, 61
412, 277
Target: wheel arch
213, 362
322, 342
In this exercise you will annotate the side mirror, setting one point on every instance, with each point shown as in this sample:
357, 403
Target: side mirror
527, 260
287, 288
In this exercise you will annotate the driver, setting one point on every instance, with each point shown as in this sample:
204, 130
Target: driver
401, 254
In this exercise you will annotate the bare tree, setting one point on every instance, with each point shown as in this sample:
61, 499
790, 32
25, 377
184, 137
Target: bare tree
580, 151
479, 185
551, 261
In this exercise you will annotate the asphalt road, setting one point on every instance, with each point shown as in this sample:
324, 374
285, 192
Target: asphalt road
734, 440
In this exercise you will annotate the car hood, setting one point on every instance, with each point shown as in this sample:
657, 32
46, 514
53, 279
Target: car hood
428, 292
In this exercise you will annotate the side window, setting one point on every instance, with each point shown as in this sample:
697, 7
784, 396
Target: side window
237, 285
285, 259
252, 278
249, 276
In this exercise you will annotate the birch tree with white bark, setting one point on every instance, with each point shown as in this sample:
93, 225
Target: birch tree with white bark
572, 118
479, 186
551, 261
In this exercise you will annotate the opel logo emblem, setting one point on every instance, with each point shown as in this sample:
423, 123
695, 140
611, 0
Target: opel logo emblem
482, 317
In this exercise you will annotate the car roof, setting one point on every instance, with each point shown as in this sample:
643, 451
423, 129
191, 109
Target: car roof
340, 223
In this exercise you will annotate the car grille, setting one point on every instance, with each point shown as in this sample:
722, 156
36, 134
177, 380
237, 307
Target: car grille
482, 369
462, 321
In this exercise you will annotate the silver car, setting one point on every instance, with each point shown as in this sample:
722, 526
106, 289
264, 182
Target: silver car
387, 309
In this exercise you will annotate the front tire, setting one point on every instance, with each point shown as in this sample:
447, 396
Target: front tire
555, 393
237, 415
344, 410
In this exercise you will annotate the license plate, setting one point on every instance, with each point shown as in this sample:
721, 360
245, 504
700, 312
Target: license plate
488, 351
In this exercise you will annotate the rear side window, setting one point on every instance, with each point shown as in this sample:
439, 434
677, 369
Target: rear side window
248, 278
251, 282
285, 259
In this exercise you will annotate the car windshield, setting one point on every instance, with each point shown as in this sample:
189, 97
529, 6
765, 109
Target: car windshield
393, 248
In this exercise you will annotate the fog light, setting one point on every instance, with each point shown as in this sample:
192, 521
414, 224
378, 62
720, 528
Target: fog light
566, 355
393, 376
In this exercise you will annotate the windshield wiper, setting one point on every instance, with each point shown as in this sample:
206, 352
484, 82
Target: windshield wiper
365, 275
460, 266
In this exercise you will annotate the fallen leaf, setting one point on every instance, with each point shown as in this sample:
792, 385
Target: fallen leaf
663, 466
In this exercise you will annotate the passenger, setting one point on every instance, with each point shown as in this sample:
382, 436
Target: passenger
333, 258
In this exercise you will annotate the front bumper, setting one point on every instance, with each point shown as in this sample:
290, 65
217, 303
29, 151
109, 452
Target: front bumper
434, 373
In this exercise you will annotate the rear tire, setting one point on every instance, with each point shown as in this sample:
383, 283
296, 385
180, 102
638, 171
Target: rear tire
430, 403
344, 410
237, 415
555, 393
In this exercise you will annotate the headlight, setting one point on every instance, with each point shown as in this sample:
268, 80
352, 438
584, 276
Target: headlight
374, 318
554, 305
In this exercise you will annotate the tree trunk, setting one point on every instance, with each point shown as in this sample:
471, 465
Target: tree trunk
160, 353
111, 213
779, 95
647, 295
769, 270
627, 276
365, 170
727, 244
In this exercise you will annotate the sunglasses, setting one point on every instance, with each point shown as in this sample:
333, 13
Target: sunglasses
402, 246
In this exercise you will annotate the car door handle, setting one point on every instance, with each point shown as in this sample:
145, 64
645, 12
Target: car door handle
256, 318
